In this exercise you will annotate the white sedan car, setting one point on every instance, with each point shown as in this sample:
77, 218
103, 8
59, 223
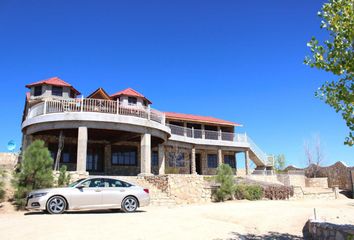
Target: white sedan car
90, 193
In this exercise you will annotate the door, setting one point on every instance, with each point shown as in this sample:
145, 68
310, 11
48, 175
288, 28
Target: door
198, 163
88, 197
94, 158
113, 193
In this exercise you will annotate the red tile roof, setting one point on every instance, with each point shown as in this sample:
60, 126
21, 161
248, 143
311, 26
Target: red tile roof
195, 118
54, 81
130, 92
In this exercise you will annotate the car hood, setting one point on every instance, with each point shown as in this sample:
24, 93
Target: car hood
47, 190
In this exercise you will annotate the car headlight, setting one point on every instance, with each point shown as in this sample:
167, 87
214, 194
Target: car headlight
37, 195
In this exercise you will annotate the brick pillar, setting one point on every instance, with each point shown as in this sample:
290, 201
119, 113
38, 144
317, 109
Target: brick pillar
162, 159
81, 149
193, 164
145, 155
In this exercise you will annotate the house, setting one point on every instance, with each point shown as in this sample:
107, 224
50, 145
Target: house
121, 134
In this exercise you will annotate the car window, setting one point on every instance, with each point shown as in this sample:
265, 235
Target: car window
115, 183
92, 183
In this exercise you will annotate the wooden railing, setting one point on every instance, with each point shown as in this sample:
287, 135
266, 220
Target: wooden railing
95, 105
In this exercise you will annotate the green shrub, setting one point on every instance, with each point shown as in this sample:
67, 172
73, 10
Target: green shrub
225, 178
278, 192
64, 177
2, 185
35, 172
249, 192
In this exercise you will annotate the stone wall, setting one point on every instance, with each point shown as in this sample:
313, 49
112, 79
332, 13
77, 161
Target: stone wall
327, 231
8, 160
338, 174
327, 194
188, 189
317, 182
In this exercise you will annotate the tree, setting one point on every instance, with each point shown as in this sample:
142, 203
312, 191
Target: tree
336, 55
35, 172
225, 177
64, 176
314, 156
279, 163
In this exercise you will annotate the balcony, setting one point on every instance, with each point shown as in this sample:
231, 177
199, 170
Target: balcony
88, 105
207, 134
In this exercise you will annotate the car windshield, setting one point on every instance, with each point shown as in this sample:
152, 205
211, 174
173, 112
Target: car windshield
73, 184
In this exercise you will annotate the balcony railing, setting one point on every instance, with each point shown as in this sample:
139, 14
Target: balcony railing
222, 136
207, 134
94, 105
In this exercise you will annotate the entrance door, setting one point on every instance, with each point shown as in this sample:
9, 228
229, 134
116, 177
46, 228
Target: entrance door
198, 163
94, 158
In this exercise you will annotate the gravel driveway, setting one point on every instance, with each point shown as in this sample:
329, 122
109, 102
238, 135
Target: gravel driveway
229, 220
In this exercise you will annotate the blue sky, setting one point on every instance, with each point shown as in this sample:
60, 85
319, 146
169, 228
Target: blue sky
237, 60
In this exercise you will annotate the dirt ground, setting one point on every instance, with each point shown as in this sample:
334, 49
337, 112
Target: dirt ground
228, 220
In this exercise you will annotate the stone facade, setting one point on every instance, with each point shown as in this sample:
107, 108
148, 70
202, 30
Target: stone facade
327, 231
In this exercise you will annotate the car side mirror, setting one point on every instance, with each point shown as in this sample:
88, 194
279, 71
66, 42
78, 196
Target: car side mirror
80, 186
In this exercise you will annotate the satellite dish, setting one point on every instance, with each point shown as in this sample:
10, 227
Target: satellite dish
11, 145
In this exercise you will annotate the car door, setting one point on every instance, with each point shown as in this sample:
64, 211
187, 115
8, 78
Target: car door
89, 196
113, 193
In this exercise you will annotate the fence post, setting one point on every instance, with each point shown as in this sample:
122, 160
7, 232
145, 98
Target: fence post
45, 107
82, 104
117, 105
149, 112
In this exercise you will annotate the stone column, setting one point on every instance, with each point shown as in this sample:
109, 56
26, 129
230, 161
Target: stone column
162, 158
247, 162
193, 164
107, 158
220, 160
203, 162
81, 149
145, 157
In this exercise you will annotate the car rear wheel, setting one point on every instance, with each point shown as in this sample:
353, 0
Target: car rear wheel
129, 204
56, 205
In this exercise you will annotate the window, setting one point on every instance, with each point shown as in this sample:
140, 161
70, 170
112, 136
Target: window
57, 91
93, 183
132, 100
230, 159
212, 161
115, 183
145, 103
124, 157
37, 90
176, 159
66, 157
154, 158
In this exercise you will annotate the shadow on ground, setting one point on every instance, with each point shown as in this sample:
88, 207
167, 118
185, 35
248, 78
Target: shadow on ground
268, 236
85, 212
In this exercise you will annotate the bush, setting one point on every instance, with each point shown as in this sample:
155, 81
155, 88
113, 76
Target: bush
249, 192
278, 192
35, 172
2, 185
64, 177
225, 178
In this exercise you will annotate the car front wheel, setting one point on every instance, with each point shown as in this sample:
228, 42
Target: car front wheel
129, 204
56, 205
